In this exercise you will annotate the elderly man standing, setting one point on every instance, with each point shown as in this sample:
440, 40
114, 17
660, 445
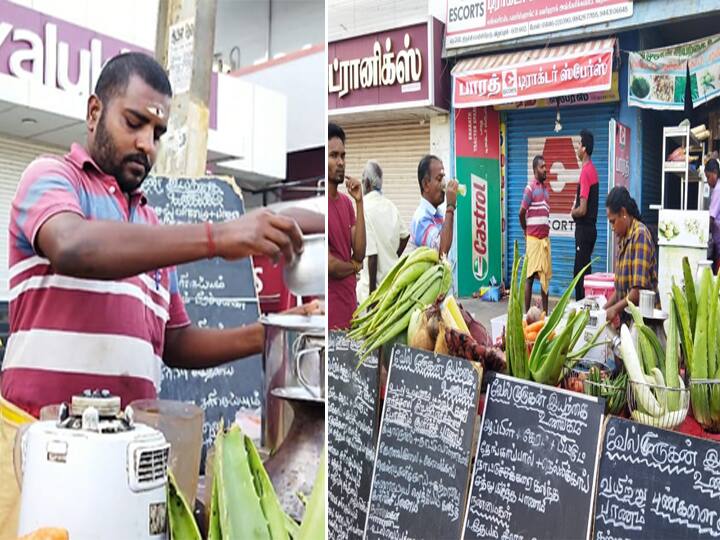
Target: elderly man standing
386, 234
429, 227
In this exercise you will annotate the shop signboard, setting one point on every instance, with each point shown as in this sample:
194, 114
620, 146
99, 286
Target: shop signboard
534, 75
563, 175
397, 67
619, 165
621, 155
474, 22
479, 215
658, 78
705, 72
609, 96
52, 65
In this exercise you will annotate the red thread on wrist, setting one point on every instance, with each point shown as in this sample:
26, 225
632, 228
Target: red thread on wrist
210, 241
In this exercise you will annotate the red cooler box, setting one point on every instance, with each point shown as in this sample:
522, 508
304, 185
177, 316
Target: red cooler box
600, 283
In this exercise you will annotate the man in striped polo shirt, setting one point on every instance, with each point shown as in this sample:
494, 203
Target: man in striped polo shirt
535, 221
94, 299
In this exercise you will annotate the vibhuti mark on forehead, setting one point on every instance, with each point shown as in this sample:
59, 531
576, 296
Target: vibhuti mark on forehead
156, 109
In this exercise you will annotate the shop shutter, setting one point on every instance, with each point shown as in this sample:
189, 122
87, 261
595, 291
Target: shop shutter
651, 186
525, 133
398, 147
15, 155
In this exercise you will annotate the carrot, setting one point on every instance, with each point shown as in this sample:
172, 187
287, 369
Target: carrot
551, 335
531, 336
535, 327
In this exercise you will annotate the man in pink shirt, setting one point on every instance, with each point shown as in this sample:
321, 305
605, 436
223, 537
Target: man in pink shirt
94, 298
346, 234
585, 209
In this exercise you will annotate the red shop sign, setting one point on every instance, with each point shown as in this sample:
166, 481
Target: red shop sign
536, 74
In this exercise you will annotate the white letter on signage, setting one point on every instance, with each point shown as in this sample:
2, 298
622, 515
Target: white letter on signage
50, 54
34, 55
96, 63
83, 81
5, 29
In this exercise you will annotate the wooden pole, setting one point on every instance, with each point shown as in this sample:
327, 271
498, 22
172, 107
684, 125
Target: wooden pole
184, 45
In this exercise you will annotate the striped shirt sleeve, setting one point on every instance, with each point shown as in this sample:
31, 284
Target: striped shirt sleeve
43, 192
527, 198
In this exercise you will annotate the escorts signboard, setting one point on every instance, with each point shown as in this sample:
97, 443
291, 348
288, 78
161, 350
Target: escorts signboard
474, 22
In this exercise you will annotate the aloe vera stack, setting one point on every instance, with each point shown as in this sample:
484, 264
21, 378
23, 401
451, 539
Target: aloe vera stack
551, 353
243, 502
415, 281
697, 312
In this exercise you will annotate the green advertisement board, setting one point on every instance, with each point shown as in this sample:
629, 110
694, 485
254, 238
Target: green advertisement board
479, 212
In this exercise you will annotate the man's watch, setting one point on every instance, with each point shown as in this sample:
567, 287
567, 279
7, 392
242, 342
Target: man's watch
450, 207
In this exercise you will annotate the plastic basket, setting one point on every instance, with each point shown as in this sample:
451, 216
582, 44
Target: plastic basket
663, 395
707, 390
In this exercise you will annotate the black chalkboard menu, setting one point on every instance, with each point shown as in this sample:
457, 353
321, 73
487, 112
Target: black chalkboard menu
217, 294
352, 400
657, 484
536, 464
423, 456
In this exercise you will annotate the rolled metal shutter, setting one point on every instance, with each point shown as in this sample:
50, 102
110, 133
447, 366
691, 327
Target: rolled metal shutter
15, 155
525, 127
397, 146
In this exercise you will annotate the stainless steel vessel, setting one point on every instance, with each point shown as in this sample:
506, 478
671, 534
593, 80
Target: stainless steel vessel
294, 358
306, 276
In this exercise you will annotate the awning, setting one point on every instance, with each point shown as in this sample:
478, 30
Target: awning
533, 74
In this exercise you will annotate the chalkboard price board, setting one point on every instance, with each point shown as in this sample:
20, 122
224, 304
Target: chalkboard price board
352, 422
534, 475
423, 455
657, 484
217, 294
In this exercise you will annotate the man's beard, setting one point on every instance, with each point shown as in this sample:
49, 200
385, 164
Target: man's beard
105, 151
339, 178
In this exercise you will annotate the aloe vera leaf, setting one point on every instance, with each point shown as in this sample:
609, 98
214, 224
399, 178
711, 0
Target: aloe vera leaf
182, 521
241, 515
313, 525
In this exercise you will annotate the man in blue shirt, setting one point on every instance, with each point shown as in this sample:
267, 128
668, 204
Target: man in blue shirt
429, 226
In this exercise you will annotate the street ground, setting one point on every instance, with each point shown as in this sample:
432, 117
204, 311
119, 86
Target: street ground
484, 312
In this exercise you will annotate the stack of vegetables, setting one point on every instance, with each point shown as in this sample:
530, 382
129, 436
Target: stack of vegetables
532, 324
696, 316
554, 346
445, 328
244, 503
658, 391
599, 382
416, 280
